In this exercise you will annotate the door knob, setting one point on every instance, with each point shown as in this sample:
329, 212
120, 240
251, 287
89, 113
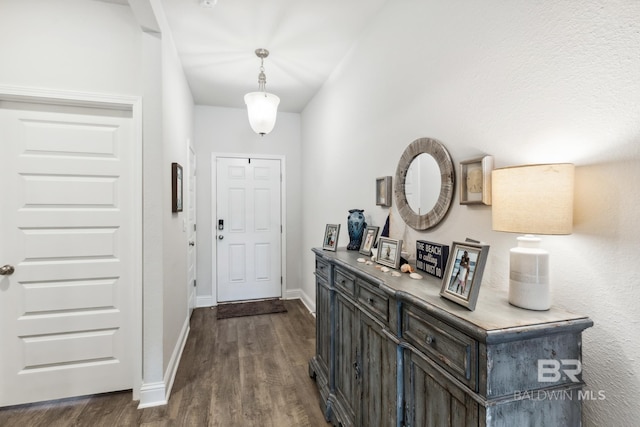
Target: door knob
192, 243
221, 237
7, 270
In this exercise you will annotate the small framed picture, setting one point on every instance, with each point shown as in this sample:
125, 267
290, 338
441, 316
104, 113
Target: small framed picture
475, 181
462, 278
176, 187
389, 252
331, 234
369, 239
383, 191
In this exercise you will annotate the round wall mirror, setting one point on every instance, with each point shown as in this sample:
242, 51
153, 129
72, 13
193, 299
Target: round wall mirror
424, 183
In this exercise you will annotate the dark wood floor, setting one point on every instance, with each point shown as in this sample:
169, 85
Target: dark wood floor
245, 371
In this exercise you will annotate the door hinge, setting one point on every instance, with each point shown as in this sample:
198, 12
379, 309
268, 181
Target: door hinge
194, 283
281, 280
194, 227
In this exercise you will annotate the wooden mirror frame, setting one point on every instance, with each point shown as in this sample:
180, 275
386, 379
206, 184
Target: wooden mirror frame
447, 176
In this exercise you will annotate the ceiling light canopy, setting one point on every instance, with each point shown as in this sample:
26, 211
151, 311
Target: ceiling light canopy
262, 107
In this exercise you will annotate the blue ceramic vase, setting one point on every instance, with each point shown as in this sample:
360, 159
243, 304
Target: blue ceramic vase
356, 225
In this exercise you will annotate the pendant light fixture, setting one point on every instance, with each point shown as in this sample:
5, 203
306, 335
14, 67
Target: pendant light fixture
262, 107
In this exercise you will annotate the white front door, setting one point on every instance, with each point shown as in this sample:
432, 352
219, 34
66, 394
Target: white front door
66, 228
191, 214
248, 229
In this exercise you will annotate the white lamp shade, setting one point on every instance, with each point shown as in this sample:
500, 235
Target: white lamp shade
536, 199
262, 108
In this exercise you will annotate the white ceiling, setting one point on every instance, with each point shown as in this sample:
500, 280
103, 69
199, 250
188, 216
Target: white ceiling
306, 40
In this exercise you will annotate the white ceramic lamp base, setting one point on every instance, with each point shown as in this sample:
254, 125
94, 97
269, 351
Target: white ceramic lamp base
529, 275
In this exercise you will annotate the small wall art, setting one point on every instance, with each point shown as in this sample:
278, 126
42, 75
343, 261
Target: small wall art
383, 191
475, 181
176, 187
331, 234
462, 278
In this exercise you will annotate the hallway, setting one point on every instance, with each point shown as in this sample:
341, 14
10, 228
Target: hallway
246, 371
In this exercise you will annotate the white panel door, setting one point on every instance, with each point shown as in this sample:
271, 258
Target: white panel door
191, 214
248, 229
65, 227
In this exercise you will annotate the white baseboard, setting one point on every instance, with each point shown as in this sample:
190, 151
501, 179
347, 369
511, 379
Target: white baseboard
292, 294
302, 296
174, 362
157, 394
205, 301
152, 394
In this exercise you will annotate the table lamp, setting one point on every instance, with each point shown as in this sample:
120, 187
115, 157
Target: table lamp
532, 199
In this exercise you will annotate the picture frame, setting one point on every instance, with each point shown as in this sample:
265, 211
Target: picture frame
475, 181
331, 234
383, 191
389, 252
458, 285
369, 239
176, 187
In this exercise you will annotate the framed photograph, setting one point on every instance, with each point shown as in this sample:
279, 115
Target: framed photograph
389, 252
369, 239
383, 191
462, 278
475, 181
331, 233
176, 187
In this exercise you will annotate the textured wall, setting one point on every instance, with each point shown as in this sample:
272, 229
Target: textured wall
527, 82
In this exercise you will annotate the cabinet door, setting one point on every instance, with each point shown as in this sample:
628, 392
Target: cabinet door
347, 360
379, 373
433, 400
323, 324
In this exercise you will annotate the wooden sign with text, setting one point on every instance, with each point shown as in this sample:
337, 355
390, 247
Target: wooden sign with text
431, 257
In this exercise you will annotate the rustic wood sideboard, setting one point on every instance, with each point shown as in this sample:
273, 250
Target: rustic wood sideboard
391, 352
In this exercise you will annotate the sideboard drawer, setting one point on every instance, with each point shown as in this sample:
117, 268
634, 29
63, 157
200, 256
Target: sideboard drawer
373, 300
345, 282
322, 268
448, 347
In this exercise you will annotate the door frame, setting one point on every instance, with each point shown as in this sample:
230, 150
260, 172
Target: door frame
214, 216
131, 104
192, 291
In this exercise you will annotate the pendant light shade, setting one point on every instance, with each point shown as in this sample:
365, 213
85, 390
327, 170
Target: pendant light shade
262, 107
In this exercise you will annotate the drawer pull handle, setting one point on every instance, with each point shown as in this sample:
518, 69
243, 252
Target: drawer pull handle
371, 301
431, 340
344, 282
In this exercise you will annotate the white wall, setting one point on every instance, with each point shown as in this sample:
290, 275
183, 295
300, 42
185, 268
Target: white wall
62, 45
177, 121
226, 131
526, 82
